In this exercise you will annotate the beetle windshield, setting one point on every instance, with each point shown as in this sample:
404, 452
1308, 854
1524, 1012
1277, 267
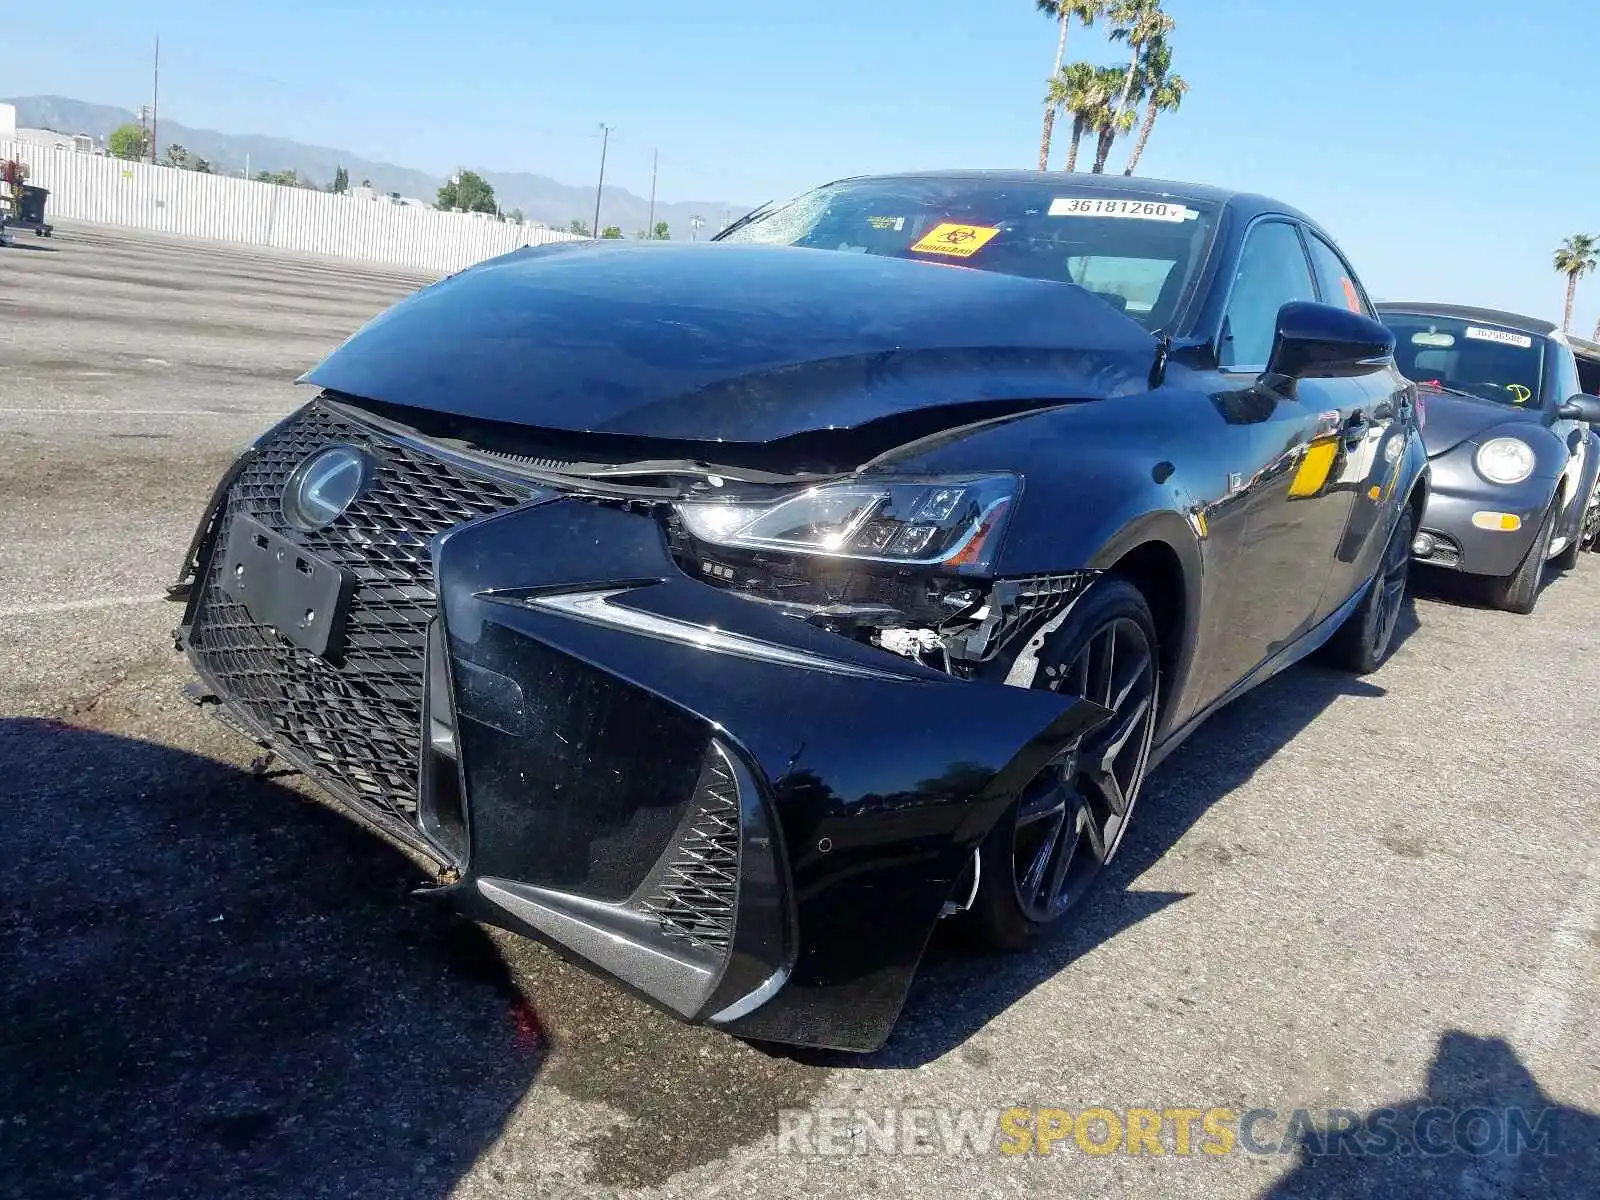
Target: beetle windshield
1475, 357
1137, 252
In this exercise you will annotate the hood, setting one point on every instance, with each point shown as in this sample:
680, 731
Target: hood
1456, 419
727, 342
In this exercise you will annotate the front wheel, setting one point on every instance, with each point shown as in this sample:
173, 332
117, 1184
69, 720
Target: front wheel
1364, 640
1518, 592
1045, 851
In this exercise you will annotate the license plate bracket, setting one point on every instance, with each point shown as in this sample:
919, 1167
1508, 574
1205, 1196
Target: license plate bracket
304, 597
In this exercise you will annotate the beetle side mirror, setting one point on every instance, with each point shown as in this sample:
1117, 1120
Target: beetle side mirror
1323, 341
1581, 408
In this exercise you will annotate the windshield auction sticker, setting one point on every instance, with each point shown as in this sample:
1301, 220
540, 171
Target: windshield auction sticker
1502, 336
1138, 210
958, 241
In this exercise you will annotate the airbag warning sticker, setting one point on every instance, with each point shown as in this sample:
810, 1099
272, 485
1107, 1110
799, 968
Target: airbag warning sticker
958, 241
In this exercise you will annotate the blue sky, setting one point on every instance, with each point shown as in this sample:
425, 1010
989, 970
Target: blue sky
1441, 141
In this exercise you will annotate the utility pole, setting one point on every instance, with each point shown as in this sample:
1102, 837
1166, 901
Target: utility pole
651, 225
155, 102
605, 138
695, 223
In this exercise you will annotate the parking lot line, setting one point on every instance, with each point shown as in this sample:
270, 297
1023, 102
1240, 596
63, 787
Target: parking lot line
135, 412
64, 606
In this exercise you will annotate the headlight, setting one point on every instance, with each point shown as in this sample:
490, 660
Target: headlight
1505, 460
953, 523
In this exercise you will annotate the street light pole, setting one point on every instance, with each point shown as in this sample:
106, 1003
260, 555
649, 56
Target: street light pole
155, 103
605, 138
650, 227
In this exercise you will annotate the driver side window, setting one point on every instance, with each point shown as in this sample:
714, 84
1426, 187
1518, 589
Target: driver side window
1272, 271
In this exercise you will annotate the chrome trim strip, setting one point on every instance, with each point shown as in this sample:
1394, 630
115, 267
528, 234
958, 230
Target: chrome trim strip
596, 608
747, 1004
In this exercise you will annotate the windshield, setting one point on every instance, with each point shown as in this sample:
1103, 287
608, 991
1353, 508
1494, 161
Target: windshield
1136, 252
1475, 357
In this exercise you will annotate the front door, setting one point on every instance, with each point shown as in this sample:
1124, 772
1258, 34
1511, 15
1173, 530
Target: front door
1289, 455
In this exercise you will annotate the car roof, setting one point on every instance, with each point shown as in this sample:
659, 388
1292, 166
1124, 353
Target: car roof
1467, 312
1583, 346
1245, 203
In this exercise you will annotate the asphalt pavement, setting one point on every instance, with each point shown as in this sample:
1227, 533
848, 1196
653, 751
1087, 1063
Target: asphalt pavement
1358, 896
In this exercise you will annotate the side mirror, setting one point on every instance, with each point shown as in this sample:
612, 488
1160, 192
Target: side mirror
1323, 341
1581, 408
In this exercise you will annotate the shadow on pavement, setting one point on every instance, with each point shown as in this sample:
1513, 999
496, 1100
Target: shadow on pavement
214, 986
960, 990
1482, 1128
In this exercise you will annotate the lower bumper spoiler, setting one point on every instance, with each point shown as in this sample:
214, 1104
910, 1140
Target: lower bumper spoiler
740, 816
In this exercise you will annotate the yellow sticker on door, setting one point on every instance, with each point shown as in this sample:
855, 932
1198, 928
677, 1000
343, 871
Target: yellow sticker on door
958, 241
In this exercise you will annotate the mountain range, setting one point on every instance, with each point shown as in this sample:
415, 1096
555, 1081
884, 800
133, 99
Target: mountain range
539, 197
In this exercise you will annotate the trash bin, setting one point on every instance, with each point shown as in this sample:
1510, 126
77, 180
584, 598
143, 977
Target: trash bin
30, 210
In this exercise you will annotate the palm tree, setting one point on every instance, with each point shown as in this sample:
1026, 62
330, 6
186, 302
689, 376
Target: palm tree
1164, 92
1063, 13
1079, 89
1110, 122
1575, 258
1137, 22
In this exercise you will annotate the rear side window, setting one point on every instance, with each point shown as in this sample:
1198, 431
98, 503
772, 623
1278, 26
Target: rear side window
1335, 279
1272, 272
1565, 383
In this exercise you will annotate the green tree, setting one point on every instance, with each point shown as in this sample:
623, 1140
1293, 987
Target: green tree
1063, 13
1163, 90
127, 141
1575, 258
177, 156
366, 183
1138, 23
611, 232
341, 181
201, 165
662, 232
1083, 90
578, 227
469, 192
515, 216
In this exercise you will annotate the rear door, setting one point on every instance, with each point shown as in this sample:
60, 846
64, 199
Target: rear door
1577, 475
1374, 420
1286, 444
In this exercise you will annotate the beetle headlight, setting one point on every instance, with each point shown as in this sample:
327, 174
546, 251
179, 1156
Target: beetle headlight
1505, 460
951, 523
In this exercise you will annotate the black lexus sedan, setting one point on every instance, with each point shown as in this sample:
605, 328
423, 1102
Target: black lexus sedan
1512, 458
727, 614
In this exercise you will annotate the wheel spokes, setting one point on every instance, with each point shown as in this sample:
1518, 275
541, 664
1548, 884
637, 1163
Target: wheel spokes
1066, 829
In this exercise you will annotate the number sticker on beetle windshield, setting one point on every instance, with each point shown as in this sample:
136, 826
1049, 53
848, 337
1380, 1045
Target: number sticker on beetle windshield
1138, 210
1502, 336
958, 241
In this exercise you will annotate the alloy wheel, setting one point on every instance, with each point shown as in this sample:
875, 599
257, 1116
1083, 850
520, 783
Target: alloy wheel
1073, 814
1391, 585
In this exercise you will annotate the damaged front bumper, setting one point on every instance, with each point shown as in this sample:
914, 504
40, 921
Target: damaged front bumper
749, 820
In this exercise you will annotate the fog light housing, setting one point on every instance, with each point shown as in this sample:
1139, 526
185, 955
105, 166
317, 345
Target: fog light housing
1498, 521
1422, 545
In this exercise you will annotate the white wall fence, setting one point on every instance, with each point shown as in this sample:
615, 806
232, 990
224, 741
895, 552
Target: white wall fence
90, 187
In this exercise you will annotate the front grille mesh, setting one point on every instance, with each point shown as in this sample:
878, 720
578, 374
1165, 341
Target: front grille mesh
697, 894
358, 720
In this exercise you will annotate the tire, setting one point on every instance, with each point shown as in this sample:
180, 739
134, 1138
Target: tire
1046, 850
1518, 592
1567, 560
1589, 526
1363, 642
